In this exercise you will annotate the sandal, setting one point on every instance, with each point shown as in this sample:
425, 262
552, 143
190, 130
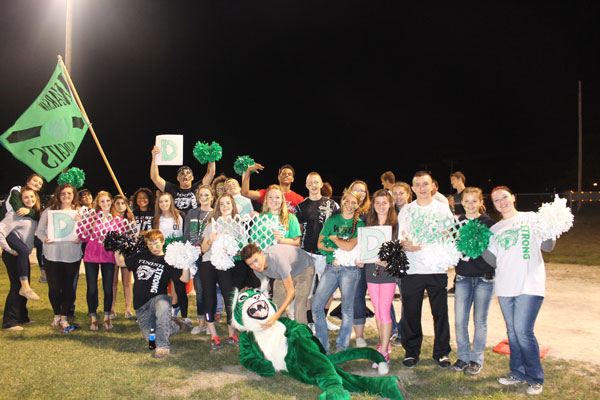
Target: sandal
108, 327
56, 323
112, 315
128, 315
94, 326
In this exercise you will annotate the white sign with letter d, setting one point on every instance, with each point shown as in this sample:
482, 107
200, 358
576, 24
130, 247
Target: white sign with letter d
61, 225
370, 239
171, 149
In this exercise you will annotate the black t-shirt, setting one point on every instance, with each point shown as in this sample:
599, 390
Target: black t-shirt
311, 215
152, 275
184, 198
143, 219
458, 207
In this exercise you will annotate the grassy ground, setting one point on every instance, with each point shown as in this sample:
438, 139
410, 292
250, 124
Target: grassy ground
40, 362
580, 244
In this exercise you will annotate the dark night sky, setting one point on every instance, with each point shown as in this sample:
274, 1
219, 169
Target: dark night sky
349, 88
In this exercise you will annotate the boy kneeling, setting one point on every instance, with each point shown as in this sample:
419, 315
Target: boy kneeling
152, 305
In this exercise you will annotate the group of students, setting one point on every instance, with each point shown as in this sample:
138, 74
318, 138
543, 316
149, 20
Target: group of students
311, 256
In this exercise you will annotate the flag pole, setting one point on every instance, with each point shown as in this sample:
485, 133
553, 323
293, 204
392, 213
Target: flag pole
112, 174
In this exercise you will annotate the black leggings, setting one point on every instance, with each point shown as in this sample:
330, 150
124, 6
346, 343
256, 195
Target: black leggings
180, 290
15, 308
61, 276
91, 277
209, 276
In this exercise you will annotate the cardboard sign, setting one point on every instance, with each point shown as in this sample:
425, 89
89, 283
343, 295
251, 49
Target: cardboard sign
370, 239
171, 150
61, 225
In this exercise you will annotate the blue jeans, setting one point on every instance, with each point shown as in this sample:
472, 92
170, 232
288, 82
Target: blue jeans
519, 314
346, 278
91, 277
156, 313
476, 291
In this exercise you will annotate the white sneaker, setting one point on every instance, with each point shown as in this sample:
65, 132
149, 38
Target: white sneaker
509, 380
198, 330
332, 327
535, 388
361, 342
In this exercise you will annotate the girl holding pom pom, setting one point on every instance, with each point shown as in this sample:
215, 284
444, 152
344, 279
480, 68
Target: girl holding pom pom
520, 286
211, 271
120, 209
195, 222
380, 284
474, 284
339, 231
169, 220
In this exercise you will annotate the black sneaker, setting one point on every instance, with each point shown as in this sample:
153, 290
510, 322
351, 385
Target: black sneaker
473, 368
451, 290
409, 362
443, 362
459, 366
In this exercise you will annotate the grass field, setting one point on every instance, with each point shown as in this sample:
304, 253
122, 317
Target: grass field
40, 362
581, 245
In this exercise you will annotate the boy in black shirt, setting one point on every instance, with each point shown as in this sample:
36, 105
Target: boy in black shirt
152, 305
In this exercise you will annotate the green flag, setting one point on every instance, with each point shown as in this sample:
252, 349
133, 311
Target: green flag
47, 135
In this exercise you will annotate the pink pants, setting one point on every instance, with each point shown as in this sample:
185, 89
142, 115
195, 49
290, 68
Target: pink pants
382, 296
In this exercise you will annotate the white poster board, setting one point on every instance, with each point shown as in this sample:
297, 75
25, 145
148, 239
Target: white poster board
61, 225
370, 239
171, 150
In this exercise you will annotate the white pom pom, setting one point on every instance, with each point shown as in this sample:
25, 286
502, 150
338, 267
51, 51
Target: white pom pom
346, 258
383, 368
180, 255
552, 219
222, 251
440, 256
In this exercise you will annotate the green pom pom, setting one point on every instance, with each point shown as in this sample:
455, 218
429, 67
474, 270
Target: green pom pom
242, 163
171, 239
205, 153
74, 176
474, 238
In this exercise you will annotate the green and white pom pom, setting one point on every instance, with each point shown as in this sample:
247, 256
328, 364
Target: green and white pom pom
473, 239
242, 164
74, 176
207, 153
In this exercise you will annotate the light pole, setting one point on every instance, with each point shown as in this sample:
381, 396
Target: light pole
69, 23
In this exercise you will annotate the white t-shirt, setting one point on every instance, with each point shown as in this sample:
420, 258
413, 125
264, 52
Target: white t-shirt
520, 266
168, 227
436, 212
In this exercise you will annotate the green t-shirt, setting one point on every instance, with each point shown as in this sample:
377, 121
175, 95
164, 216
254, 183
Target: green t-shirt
338, 226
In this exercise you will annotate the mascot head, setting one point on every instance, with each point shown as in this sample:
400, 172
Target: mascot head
251, 308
